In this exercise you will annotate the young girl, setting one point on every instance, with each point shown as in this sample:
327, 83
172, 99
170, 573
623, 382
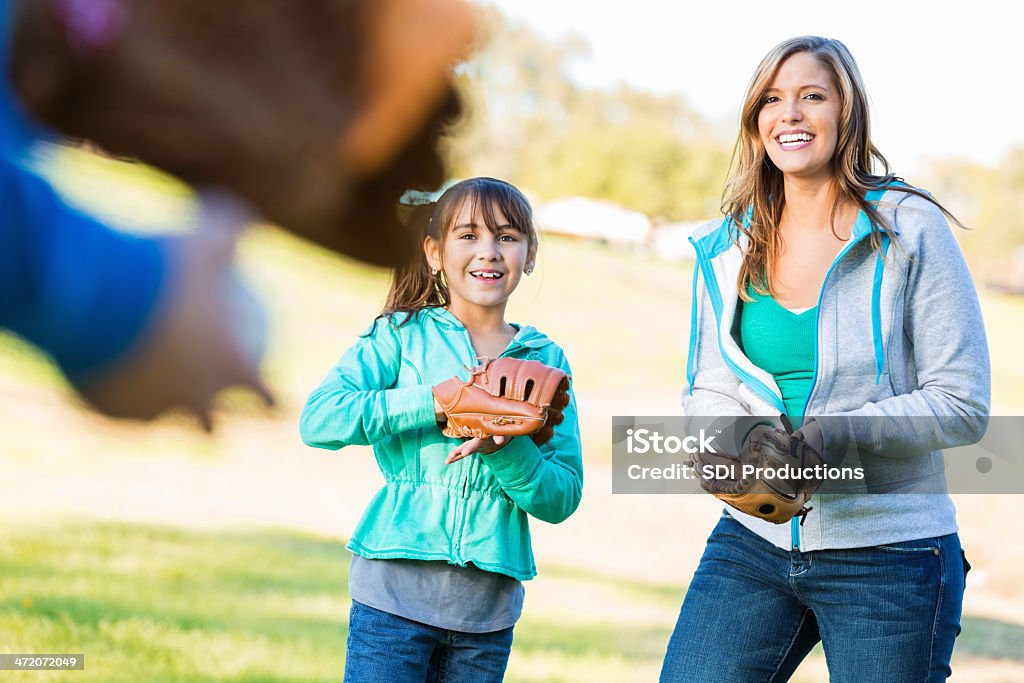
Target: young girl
828, 290
440, 554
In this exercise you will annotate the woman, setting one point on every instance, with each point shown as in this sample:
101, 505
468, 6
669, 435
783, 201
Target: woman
828, 290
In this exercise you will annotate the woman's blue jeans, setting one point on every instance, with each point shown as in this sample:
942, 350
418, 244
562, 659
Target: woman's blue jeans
753, 611
386, 648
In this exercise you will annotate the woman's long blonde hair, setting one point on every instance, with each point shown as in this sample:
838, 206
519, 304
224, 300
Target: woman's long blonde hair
754, 194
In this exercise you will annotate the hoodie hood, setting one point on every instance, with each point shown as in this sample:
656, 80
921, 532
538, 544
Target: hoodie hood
527, 335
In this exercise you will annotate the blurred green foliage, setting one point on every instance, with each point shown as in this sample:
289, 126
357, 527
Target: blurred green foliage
532, 125
989, 200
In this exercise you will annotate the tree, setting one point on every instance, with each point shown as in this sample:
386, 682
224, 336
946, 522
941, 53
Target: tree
533, 125
988, 200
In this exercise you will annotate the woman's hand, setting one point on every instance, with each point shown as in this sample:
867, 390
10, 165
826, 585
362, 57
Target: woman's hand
812, 436
483, 446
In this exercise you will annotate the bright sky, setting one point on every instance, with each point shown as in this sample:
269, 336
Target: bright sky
940, 75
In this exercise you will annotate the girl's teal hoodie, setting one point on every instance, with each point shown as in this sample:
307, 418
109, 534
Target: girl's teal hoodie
473, 510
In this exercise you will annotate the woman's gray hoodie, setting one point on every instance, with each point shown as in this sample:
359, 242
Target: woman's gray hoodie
900, 336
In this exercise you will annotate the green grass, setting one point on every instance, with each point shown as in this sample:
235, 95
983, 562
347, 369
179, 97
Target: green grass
159, 604
162, 604
1004, 321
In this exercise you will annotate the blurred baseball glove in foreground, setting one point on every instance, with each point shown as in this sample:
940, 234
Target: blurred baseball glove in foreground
320, 113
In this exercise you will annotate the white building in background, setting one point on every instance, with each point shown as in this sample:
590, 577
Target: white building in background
593, 219
671, 241
606, 221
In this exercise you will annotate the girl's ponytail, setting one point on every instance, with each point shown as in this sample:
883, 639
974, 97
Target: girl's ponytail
413, 285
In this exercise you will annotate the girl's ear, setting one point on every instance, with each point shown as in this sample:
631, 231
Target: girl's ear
433, 252
531, 260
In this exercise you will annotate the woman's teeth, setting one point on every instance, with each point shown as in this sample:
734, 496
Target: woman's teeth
796, 137
789, 141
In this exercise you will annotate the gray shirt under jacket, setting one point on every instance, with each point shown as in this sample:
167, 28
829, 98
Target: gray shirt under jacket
438, 594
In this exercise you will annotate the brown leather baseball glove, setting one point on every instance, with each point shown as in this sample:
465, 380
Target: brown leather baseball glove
505, 397
767, 479
320, 113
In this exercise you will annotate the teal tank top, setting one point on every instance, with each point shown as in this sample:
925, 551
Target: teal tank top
783, 344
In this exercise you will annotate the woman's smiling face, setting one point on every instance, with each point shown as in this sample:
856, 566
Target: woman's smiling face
799, 118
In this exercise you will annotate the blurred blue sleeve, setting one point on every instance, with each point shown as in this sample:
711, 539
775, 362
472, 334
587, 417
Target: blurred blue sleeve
68, 283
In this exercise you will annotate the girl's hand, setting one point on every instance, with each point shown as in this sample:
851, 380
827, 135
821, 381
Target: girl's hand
483, 446
439, 413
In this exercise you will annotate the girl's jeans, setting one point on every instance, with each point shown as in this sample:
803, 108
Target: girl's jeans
385, 648
753, 611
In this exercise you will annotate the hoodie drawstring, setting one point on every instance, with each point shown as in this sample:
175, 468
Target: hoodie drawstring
876, 309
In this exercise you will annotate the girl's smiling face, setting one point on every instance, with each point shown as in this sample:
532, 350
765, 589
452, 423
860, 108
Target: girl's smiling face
482, 261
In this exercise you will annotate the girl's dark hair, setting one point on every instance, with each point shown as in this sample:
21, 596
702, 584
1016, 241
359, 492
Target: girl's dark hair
413, 286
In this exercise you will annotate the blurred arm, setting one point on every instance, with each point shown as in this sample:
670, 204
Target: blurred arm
139, 325
69, 284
